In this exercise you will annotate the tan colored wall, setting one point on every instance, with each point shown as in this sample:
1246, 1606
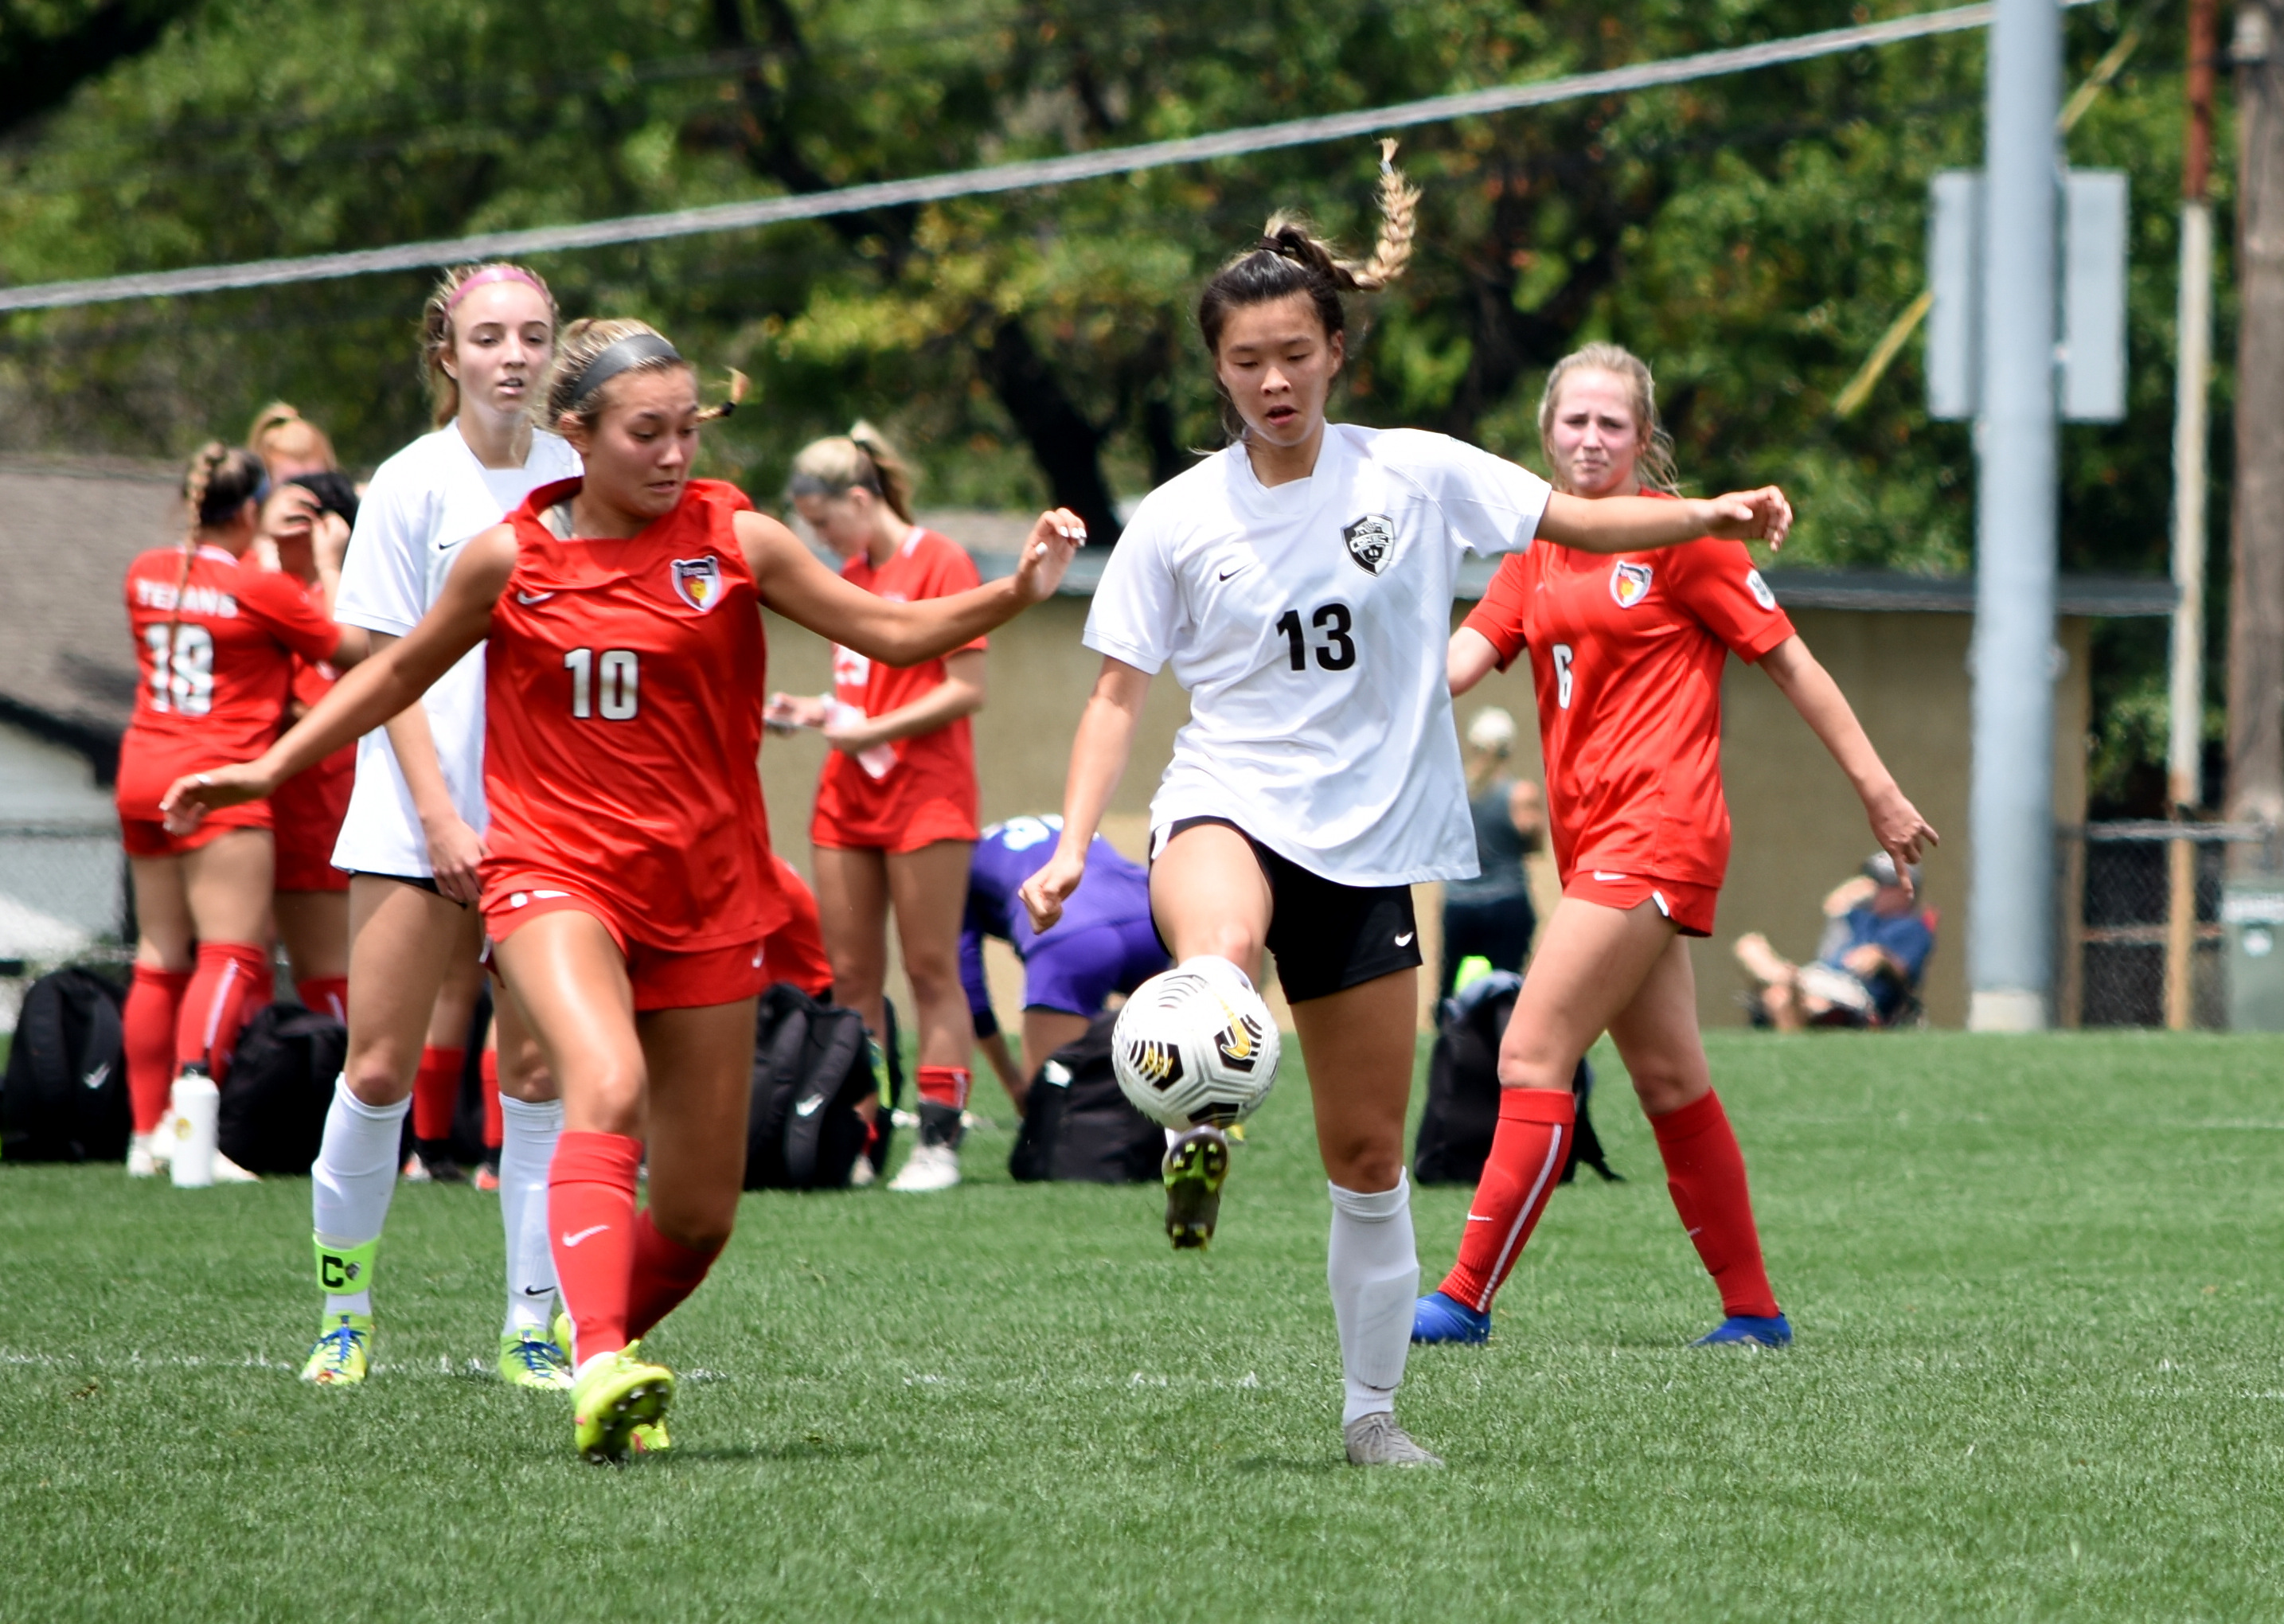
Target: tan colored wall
1799, 828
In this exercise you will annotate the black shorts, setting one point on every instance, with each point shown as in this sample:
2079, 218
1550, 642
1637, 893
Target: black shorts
1327, 937
419, 882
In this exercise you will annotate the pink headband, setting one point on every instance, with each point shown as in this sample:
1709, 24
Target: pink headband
493, 273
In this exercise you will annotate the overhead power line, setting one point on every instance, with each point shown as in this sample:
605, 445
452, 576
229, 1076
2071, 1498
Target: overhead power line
998, 178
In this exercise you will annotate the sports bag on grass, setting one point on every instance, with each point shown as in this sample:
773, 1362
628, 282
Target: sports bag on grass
1463, 1089
279, 1088
811, 1067
65, 1097
1078, 1124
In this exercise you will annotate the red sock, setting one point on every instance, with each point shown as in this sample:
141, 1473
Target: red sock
944, 1085
154, 1000
590, 1228
1705, 1171
327, 995
1528, 1151
494, 1132
231, 981
436, 1091
665, 1272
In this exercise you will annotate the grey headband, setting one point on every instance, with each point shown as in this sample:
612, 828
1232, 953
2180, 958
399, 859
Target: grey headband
612, 359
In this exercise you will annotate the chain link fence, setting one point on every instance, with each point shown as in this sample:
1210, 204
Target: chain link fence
63, 899
2117, 893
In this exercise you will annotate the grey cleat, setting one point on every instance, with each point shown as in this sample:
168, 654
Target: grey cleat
1376, 1441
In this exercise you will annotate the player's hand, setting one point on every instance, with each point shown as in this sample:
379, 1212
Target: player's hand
854, 738
1902, 832
454, 851
330, 536
1762, 515
190, 798
1050, 887
787, 712
1047, 553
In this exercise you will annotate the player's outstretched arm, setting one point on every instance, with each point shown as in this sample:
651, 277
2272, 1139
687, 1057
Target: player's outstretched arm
1098, 752
378, 689
1895, 824
792, 583
1468, 659
1639, 524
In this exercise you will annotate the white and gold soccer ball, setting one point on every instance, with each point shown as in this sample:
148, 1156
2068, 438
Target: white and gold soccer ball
1196, 1044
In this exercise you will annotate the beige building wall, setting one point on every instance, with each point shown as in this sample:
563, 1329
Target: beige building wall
1799, 828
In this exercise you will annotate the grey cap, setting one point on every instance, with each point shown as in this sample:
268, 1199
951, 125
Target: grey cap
1880, 867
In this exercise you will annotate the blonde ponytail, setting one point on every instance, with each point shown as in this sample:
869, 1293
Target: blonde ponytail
861, 459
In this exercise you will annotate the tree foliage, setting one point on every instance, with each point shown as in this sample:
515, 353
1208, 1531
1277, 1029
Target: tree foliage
1752, 236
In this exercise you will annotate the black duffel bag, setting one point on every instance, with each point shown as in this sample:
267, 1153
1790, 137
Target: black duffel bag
1463, 1090
1078, 1124
279, 1088
812, 1066
64, 1097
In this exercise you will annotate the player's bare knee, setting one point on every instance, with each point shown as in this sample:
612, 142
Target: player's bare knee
1661, 1087
1534, 1072
377, 1077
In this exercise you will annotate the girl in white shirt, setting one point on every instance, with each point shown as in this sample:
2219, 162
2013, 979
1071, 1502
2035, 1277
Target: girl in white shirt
414, 833
1299, 582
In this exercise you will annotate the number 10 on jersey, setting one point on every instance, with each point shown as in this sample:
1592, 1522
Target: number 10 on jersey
607, 685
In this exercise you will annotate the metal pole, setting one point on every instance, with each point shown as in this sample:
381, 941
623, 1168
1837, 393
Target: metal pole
2185, 745
2011, 923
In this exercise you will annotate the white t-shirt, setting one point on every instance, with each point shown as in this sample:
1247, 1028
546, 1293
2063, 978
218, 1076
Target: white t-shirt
422, 504
1308, 622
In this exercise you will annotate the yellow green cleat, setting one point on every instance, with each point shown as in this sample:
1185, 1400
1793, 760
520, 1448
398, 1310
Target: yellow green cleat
614, 1395
527, 1359
342, 1352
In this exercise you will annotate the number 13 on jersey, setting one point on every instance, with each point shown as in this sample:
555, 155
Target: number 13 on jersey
617, 675
1337, 650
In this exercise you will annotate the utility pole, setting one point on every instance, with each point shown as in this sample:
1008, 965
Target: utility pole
2255, 620
2192, 377
2011, 931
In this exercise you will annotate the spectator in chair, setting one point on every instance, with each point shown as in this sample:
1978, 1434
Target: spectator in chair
1867, 967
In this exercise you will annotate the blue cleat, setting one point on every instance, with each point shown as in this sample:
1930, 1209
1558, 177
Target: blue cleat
1739, 1329
1438, 1318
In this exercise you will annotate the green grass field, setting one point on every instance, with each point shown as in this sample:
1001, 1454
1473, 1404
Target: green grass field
2037, 1374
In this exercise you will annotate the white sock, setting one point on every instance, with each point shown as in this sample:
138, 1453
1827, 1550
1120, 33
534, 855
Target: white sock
527, 1135
354, 1177
1373, 1266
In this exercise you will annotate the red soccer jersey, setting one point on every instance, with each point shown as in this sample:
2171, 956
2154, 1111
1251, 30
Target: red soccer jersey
930, 794
1626, 654
215, 658
622, 717
311, 805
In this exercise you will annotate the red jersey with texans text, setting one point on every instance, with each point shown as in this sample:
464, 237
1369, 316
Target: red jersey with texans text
215, 646
1626, 654
311, 805
930, 793
622, 718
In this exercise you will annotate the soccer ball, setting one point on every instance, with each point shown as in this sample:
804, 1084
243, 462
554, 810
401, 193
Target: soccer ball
1196, 1044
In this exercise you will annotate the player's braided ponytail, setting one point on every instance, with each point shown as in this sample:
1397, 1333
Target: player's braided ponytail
1654, 449
220, 480
1290, 258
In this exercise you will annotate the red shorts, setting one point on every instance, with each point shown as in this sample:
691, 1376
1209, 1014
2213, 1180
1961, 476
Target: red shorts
918, 804
662, 977
147, 837
309, 809
1689, 907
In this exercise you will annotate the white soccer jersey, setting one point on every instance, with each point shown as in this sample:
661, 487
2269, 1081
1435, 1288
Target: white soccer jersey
423, 504
1308, 622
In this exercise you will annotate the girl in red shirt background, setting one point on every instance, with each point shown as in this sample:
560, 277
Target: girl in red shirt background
1626, 656
896, 819
215, 640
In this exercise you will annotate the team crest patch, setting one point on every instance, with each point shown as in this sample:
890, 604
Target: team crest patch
1628, 584
1371, 542
698, 581
1759, 588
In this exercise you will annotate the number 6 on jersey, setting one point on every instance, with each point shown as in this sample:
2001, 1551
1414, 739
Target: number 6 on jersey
616, 674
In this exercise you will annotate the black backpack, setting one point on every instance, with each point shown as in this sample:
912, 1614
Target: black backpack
1078, 1123
1463, 1090
65, 1097
811, 1067
279, 1088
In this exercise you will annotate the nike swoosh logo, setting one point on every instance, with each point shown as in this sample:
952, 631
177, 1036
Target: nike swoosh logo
97, 1078
1477, 1218
1599, 874
1404, 941
1239, 570
807, 1107
522, 596
539, 1291
573, 1240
